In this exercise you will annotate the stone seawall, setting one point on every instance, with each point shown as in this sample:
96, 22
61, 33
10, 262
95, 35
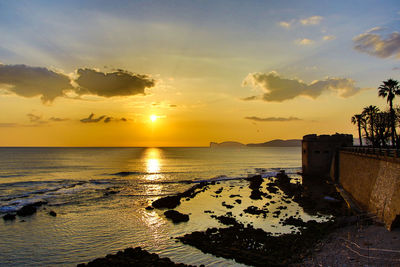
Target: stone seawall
374, 183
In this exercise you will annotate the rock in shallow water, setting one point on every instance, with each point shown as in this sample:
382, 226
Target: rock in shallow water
132, 257
9, 217
53, 213
176, 216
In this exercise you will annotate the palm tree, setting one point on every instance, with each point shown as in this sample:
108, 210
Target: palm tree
357, 118
390, 89
371, 112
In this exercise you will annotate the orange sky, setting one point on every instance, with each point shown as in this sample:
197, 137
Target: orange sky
210, 71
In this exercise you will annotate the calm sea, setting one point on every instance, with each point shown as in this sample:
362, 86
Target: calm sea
99, 195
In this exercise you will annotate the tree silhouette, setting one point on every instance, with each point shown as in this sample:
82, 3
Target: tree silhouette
370, 113
356, 119
389, 89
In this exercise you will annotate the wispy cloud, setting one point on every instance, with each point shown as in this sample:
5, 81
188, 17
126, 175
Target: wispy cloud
329, 37
272, 119
286, 24
304, 41
372, 43
313, 20
279, 89
55, 119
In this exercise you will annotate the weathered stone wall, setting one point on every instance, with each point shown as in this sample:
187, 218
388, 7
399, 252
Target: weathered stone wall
374, 183
318, 151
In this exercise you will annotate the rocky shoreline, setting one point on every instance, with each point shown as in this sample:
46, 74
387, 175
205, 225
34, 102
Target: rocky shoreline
132, 257
256, 247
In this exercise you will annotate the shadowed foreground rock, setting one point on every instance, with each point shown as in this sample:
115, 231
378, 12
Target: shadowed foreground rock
256, 247
132, 257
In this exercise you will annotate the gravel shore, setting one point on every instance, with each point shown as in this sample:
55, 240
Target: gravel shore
358, 245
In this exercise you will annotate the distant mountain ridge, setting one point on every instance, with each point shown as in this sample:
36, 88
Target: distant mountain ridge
226, 144
272, 143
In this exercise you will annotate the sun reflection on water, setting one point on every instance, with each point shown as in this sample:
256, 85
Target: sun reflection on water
152, 157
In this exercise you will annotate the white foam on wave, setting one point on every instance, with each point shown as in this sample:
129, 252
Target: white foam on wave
12, 203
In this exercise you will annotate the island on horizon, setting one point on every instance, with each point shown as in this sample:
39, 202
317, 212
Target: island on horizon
272, 143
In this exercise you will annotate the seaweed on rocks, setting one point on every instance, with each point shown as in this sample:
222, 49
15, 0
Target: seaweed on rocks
132, 257
171, 202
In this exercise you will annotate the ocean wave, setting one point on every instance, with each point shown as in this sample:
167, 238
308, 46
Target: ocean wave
50, 191
128, 173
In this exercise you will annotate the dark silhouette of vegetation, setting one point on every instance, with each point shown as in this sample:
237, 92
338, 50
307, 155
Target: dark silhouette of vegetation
357, 119
379, 127
370, 113
390, 89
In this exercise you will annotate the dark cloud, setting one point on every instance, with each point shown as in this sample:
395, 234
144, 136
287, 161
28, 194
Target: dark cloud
280, 89
58, 119
374, 44
117, 83
91, 118
33, 117
106, 118
30, 81
254, 118
34, 81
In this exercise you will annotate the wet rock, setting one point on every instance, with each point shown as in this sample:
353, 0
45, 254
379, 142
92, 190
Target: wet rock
226, 220
169, 202
9, 217
176, 216
111, 192
272, 189
256, 247
294, 221
226, 205
219, 191
132, 257
238, 201
255, 185
254, 210
256, 194
53, 213
27, 210
232, 196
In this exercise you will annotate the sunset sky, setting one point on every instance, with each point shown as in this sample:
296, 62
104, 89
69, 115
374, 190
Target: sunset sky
184, 73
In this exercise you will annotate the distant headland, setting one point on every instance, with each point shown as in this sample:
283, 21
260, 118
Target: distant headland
272, 143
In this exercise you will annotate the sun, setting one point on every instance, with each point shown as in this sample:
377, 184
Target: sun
153, 118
